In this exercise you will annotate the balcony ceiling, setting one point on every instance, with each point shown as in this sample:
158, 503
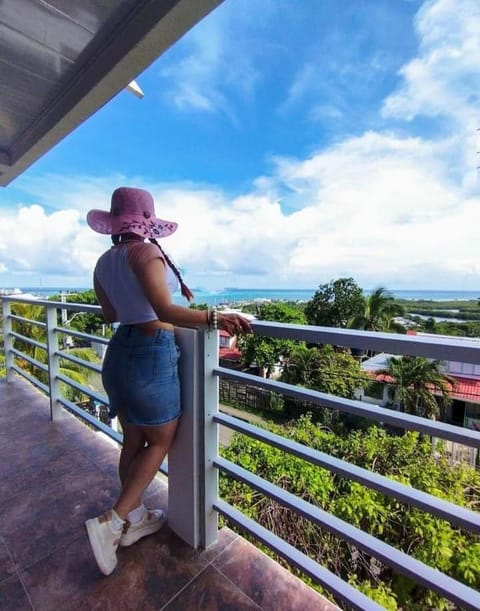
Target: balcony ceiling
62, 60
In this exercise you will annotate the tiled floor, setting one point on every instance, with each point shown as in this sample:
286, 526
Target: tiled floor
54, 475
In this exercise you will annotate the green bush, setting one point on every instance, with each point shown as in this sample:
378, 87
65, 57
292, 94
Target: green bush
407, 458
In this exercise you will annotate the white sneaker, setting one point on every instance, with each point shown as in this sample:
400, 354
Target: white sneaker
152, 521
104, 540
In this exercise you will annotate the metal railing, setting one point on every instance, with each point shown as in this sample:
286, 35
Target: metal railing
194, 463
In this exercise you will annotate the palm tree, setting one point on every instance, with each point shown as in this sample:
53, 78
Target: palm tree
415, 381
302, 366
380, 309
68, 368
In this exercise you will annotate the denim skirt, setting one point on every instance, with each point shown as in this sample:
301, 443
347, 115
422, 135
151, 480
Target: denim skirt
140, 376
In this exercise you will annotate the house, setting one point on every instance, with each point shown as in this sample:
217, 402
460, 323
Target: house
465, 393
464, 409
228, 353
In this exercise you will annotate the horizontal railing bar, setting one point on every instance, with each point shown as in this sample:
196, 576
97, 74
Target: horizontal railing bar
98, 424
88, 336
101, 426
359, 408
59, 305
442, 348
421, 573
30, 359
455, 514
27, 340
86, 391
27, 320
75, 359
319, 574
32, 379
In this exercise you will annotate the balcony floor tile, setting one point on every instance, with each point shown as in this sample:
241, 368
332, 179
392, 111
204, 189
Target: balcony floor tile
266, 582
212, 591
13, 596
55, 475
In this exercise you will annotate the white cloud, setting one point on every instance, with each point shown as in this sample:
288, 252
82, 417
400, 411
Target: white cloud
378, 207
383, 210
442, 81
397, 210
218, 57
36, 242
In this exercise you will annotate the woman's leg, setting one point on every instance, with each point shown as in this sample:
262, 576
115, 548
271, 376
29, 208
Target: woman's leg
144, 466
133, 442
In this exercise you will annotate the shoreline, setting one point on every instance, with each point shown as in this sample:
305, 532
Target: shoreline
242, 296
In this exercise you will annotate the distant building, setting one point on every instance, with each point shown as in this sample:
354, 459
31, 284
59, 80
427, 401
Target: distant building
465, 393
228, 352
464, 409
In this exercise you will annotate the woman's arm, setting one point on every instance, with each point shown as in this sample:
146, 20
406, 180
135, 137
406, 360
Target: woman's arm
152, 278
108, 311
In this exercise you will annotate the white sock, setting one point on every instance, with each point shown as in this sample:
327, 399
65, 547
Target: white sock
117, 522
137, 514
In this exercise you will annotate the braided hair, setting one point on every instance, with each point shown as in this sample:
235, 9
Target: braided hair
184, 288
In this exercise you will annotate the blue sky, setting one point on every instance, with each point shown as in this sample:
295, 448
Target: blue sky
293, 142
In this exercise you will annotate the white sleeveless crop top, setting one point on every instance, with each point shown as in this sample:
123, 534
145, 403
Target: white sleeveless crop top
115, 271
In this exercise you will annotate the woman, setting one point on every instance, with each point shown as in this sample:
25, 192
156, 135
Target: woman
133, 282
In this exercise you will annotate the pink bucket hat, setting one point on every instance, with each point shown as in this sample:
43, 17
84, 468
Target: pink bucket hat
131, 211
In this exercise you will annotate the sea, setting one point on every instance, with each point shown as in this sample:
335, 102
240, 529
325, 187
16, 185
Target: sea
237, 296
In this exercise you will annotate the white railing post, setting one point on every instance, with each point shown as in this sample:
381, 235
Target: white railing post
7, 339
192, 478
210, 436
53, 363
184, 455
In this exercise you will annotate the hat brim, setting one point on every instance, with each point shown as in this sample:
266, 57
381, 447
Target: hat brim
105, 223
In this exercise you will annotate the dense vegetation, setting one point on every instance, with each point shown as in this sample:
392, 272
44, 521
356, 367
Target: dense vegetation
466, 310
407, 458
266, 352
76, 372
83, 321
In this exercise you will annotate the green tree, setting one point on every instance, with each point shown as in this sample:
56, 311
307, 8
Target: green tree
327, 370
324, 369
281, 312
335, 304
302, 367
266, 352
414, 381
379, 310
430, 325
85, 322
198, 306
72, 370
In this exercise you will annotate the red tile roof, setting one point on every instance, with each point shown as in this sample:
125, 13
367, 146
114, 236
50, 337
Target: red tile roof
232, 354
464, 389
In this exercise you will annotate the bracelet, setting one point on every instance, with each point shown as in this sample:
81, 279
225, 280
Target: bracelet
212, 317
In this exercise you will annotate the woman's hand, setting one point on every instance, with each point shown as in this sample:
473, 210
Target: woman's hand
233, 324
